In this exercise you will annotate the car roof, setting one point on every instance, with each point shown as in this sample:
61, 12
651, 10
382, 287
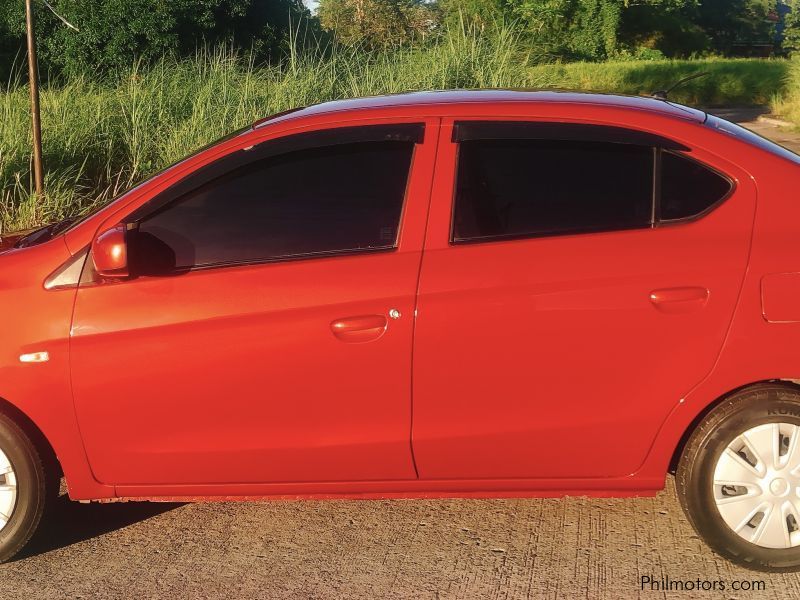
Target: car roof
502, 96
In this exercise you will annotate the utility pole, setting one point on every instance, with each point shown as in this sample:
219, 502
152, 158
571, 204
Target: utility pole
33, 76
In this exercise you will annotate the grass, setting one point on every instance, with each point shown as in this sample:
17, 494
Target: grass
729, 82
787, 104
102, 136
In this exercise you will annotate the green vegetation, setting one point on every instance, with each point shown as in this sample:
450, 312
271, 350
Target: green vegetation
377, 23
569, 29
730, 81
101, 136
108, 124
787, 104
791, 39
112, 34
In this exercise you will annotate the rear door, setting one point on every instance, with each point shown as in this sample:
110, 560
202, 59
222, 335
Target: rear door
266, 334
566, 303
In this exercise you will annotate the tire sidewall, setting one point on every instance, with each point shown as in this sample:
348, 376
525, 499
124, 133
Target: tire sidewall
757, 407
30, 489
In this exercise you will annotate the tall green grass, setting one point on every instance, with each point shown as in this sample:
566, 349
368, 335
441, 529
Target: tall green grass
787, 105
100, 136
730, 82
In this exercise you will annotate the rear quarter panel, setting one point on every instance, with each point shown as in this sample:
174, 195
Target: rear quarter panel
757, 348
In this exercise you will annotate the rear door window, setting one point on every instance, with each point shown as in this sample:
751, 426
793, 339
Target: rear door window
529, 179
514, 188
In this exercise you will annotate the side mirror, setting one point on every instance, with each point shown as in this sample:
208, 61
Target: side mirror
110, 253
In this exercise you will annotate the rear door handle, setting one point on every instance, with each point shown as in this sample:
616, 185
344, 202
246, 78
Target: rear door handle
364, 328
679, 299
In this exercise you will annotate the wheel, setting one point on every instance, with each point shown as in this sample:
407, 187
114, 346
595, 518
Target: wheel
24, 488
738, 479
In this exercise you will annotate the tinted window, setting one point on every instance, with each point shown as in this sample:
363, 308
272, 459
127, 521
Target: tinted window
541, 187
337, 198
688, 188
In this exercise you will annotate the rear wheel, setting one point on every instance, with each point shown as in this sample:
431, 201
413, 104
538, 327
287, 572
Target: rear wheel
738, 479
24, 488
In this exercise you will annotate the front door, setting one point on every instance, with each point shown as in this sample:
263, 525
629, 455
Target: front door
567, 304
266, 334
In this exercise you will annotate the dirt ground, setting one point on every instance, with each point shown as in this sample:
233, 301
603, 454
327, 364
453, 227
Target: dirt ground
429, 549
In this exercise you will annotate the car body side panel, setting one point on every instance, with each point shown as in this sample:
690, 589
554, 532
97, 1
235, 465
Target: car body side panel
755, 349
37, 320
415, 488
234, 375
780, 297
46, 398
546, 357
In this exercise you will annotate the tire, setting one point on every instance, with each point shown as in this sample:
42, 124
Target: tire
33, 488
739, 497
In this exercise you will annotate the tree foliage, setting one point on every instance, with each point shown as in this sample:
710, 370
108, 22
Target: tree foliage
730, 23
791, 31
598, 29
582, 29
377, 23
669, 26
114, 33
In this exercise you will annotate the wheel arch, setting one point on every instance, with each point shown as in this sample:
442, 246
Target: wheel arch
35, 434
676, 453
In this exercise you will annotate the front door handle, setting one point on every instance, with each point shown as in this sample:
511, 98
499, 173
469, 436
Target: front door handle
680, 299
364, 328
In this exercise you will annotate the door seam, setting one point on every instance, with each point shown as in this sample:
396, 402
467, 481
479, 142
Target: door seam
417, 287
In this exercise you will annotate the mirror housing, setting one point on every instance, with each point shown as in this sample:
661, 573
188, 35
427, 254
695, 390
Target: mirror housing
110, 253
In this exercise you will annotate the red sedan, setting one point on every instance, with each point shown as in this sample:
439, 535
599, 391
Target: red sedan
488, 293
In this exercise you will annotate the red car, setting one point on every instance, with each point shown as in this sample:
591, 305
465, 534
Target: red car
470, 294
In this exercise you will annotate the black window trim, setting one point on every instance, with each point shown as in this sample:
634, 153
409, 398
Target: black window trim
560, 131
396, 132
553, 130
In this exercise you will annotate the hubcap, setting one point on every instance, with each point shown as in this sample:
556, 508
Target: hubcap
8, 489
757, 485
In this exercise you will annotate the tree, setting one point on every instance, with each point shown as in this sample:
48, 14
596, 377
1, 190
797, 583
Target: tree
376, 23
115, 33
669, 26
579, 29
732, 23
791, 27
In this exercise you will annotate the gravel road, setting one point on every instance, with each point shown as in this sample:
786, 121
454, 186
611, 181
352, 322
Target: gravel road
428, 549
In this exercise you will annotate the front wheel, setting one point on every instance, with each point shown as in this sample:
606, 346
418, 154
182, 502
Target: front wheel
24, 488
738, 479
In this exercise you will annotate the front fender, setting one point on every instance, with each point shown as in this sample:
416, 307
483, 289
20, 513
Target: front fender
38, 320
